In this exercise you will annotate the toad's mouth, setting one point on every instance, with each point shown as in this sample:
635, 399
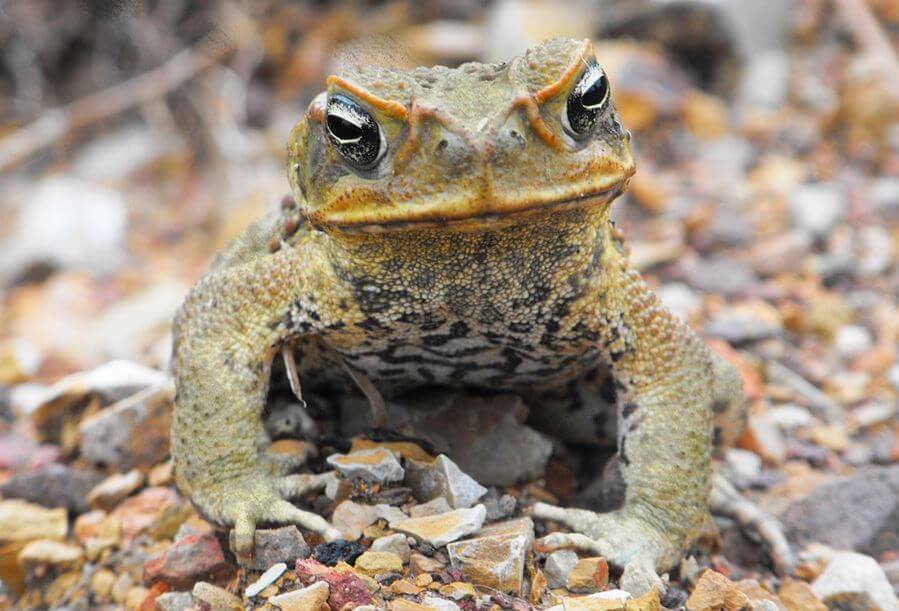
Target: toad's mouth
462, 218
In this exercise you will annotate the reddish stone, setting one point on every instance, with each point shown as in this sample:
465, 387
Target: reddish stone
346, 587
191, 559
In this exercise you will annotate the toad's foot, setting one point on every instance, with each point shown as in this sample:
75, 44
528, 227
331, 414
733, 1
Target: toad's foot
624, 540
261, 498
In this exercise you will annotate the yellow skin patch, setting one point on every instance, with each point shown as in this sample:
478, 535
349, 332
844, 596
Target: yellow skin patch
476, 251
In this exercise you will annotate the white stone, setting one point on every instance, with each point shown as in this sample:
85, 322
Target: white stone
893, 376
852, 572
817, 207
790, 416
439, 604
266, 579
852, 341
744, 464
68, 222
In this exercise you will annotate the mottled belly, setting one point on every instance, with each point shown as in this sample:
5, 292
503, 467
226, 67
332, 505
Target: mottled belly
452, 355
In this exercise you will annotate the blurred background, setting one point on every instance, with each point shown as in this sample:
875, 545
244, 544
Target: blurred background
138, 137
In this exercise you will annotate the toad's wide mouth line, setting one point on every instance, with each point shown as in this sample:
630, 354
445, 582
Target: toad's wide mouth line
485, 220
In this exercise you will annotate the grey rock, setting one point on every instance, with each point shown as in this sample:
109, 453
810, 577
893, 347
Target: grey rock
53, 486
738, 327
720, 275
276, 545
860, 512
849, 572
485, 436
175, 601
396, 544
431, 508
499, 507
442, 478
771, 68
558, 565
132, 433
375, 465
817, 207
784, 252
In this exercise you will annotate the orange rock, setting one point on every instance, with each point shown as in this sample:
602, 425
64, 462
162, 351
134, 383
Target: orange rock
588, 575
715, 592
798, 596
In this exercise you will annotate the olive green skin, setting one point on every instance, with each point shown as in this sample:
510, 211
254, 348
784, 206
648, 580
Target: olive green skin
477, 254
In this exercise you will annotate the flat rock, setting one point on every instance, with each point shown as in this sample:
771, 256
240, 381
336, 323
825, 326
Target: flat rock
714, 591
496, 558
442, 478
51, 553
110, 492
52, 486
310, 598
285, 544
431, 508
396, 544
374, 563
850, 573
133, 432
558, 565
215, 597
24, 521
191, 559
446, 527
859, 512
376, 465
352, 518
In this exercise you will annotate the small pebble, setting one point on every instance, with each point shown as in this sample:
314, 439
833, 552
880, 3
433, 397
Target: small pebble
852, 341
266, 579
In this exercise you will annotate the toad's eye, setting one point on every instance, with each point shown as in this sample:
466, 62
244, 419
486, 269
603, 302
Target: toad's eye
586, 101
354, 132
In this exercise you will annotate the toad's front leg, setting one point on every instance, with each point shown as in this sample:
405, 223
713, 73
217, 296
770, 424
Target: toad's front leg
226, 335
664, 376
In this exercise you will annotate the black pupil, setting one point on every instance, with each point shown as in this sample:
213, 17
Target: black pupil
343, 129
585, 102
595, 93
353, 131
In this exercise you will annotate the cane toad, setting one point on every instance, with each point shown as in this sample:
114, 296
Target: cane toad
451, 228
